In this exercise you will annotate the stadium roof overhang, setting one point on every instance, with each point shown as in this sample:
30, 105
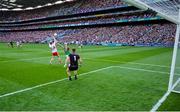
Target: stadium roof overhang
169, 9
20, 5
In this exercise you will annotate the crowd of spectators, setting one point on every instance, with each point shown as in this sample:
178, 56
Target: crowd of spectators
94, 20
150, 34
92, 5
147, 34
77, 6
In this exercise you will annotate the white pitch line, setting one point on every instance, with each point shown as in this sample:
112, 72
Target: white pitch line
138, 69
131, 63
23, 59
53, 82
96, 60
155, 107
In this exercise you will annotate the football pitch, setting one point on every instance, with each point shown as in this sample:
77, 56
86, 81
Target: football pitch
110, 79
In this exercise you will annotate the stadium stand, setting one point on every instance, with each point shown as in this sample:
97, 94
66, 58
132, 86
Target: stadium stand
78, 6
147, 35
90, 20
123, 31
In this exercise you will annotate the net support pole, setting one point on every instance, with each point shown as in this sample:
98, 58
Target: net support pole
173, 64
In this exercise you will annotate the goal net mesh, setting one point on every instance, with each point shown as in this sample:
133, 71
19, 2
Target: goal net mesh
169, 9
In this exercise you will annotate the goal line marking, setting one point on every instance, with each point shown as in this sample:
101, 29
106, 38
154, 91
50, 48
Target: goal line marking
56, 81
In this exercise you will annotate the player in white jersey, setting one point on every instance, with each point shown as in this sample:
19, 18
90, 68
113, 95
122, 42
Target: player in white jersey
54, 50
18, 44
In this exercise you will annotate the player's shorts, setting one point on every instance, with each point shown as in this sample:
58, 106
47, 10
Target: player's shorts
55, 54
73, 68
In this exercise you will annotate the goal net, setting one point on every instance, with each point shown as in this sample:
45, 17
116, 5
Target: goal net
176, 76
170, 10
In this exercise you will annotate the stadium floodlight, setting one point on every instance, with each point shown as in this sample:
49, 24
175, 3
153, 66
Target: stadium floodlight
12, 0
59, 2
69, 0
4, 9
49, 4
29, 8
19, 6
39, 6
17, 9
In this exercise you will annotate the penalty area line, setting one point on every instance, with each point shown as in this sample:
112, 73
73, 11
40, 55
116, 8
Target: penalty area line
56, 81
48, 83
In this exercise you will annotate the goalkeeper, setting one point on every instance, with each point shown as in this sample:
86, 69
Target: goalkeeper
71, 63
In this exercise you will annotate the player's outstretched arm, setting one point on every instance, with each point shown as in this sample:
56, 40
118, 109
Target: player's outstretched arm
60, 45
55, 40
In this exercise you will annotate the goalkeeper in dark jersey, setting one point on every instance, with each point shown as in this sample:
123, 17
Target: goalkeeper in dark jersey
71, 63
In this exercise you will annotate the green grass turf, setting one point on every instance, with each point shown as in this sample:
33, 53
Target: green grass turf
114, 88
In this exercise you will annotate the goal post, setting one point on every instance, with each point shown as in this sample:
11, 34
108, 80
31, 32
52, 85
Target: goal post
174, 79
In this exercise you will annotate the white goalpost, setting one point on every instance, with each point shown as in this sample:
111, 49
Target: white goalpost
170, 10
174, 80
